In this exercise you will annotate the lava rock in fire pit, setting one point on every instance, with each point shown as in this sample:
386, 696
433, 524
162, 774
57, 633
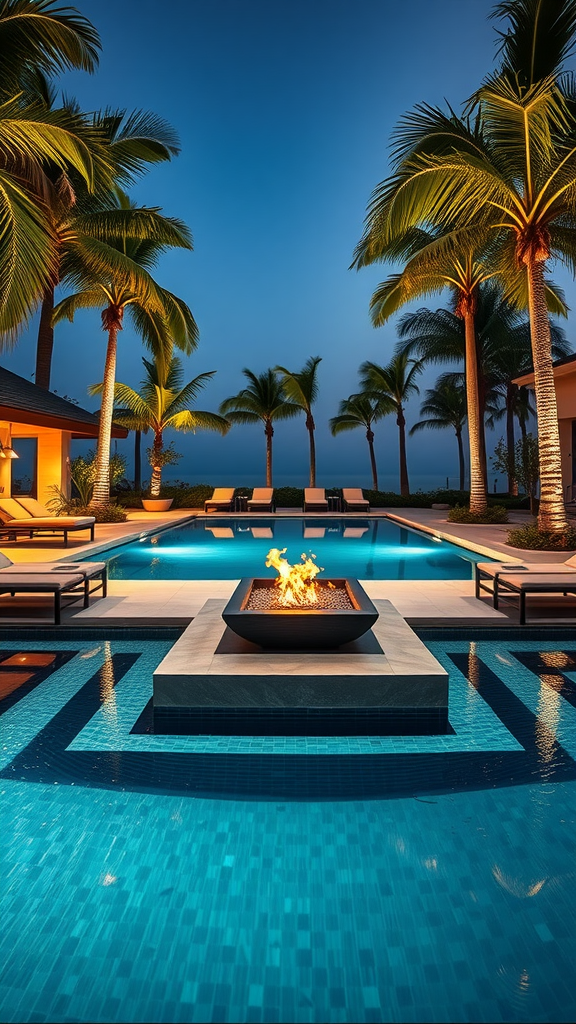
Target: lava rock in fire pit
342, 613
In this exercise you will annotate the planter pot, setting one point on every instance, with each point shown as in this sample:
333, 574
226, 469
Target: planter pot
157, 504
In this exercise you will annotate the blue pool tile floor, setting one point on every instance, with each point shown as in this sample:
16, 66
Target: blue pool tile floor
177, 879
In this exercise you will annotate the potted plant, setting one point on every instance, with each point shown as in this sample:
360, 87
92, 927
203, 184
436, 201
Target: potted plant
159, 457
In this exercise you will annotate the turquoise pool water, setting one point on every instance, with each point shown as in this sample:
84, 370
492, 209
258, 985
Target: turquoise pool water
222, 549
181, 879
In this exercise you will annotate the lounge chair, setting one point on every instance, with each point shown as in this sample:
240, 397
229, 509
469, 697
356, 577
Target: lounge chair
492, 571
354, 500
90, 571
262, 499
315, 499
519, 585
56, 579
16, 521
221, 500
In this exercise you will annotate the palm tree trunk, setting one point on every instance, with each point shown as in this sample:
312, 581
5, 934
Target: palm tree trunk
404, 485
478, 497
482, 418
156, 465
461, 464
137, 460
45, 342
101, 491
552, 513
269, 431
310, 427
510, 439
370, 439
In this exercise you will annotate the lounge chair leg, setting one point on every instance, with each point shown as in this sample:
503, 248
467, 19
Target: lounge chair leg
522, 608
92, 532
65, 538
57, 608
86, 593
495, 593
104, 582
476, 581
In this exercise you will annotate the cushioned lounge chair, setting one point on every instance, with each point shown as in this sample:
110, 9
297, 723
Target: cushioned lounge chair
354, 500
262, 499
16, 521
221, 500
490, 572
46, 579
315, 499
96, 572
519, 585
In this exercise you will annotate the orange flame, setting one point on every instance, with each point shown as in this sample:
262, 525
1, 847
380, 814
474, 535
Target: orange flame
296, 582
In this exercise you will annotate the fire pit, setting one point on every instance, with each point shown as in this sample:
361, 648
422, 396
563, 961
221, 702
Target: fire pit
295, 611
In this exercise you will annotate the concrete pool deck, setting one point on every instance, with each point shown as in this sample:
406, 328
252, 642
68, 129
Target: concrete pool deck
176, 602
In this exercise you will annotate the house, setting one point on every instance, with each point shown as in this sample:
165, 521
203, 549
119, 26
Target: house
565, 384
37, 426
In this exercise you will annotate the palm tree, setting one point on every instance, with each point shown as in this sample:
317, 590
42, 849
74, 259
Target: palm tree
519, 184
37, 39
163, 402
502, 345
130, 141
361, 411
393, 384
113, 271
302, 388
445, 406
263, 400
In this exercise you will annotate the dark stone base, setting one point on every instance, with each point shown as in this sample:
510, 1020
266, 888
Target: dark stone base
203, 721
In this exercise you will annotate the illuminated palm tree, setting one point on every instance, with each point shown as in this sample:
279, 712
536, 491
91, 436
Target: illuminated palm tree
129, 142
115, 274
37, 40
302, 388
264, 401
361, 411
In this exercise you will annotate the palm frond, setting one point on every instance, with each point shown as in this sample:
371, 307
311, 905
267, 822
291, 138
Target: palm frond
192, 420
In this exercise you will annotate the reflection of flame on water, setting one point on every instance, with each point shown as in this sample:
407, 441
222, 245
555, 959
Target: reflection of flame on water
296, 582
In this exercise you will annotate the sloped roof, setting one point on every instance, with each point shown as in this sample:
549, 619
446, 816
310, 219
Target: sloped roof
21, 401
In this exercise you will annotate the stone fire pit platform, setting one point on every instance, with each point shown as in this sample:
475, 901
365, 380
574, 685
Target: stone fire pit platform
385, 683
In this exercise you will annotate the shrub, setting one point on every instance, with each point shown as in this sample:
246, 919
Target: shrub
289, 497
62, 505
462, 514
530, 537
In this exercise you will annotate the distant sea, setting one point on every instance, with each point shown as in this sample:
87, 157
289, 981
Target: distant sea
386, 482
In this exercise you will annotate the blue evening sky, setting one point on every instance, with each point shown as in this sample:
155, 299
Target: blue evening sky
284, 109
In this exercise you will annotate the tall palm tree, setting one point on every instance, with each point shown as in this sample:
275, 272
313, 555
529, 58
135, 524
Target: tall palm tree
502, 345
131, 142
361, 411
264, 400
394, 384
37, 39
113, 272
302, 388
163, 402
519, 184
445, 406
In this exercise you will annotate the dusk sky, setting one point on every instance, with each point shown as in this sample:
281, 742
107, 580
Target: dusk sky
284, 111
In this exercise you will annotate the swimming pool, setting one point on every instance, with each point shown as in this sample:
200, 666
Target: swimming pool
291, 879
231, 548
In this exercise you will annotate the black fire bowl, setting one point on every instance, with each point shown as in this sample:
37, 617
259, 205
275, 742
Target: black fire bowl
300, 628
